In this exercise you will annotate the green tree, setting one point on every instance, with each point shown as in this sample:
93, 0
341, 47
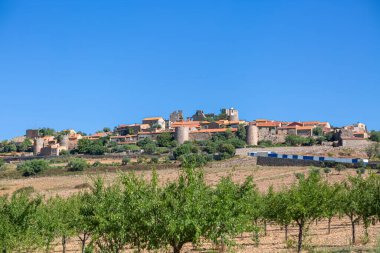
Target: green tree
91, 147
230, 211
186, 148
279, 204
166, 140
106, 129
109, 226
77, 164
241, 133
45, 131
318, 131
307, 203
375, 136
18, 231
33, 167
373, 151
182, 212
331, 198
226, 150
194, 160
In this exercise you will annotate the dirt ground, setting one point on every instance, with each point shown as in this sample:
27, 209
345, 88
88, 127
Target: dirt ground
317, 240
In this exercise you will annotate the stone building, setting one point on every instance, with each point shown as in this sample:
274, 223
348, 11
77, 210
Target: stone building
199, 116
155, 122
131, 129
32, 133
232, 114
176, 116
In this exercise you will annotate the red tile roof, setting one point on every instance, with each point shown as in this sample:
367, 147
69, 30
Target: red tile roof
268, 124
217, 130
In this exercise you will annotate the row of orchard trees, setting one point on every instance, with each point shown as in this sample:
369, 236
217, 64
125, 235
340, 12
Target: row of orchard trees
144, 214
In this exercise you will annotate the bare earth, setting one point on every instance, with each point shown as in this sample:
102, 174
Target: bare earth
279, 177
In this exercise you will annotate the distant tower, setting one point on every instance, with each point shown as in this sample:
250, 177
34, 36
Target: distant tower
232, 114
252, 135
38, 145
65, 142
182, 134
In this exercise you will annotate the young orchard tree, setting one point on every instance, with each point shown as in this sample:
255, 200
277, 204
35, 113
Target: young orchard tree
307, 203
18, 230
140, 210
331, 198
278, 208
230, 211
350, 202
108, 223
83, 205
182, 217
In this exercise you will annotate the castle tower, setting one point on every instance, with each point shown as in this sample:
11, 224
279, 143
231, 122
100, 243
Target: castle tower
252, 135
182, 134
232, 114
65, 142
38, 145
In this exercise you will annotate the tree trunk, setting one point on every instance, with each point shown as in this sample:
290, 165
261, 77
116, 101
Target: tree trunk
300, 234
329, 226
177, 248
63, 244
353, 231
83, 245
286, 232
265, 228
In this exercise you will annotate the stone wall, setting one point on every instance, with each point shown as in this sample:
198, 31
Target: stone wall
269, 134
199, 136
352, 143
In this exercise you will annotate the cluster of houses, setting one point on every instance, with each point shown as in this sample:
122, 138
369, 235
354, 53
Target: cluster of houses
200, 126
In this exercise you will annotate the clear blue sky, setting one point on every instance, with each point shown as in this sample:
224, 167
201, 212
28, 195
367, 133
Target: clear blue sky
87, 64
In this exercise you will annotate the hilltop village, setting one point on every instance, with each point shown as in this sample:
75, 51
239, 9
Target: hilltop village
199, 127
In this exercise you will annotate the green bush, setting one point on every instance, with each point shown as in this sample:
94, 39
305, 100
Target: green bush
77, 164
154, 160
265, 143
97, 164
186, 148
64, 152
150, 148
34, 167
125, 161
194, 160
2, 162
340, 167
226, 151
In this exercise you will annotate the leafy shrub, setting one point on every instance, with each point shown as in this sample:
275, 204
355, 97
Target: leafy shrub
340, 167
186, 148
154, 160
194, 160
315, 170
327, 170
150, 148
265, 143
64, 152
34, 167
2, 162
96, 147
125, 161
360, 171
166, 140
77, 164
226, 151
97, 164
